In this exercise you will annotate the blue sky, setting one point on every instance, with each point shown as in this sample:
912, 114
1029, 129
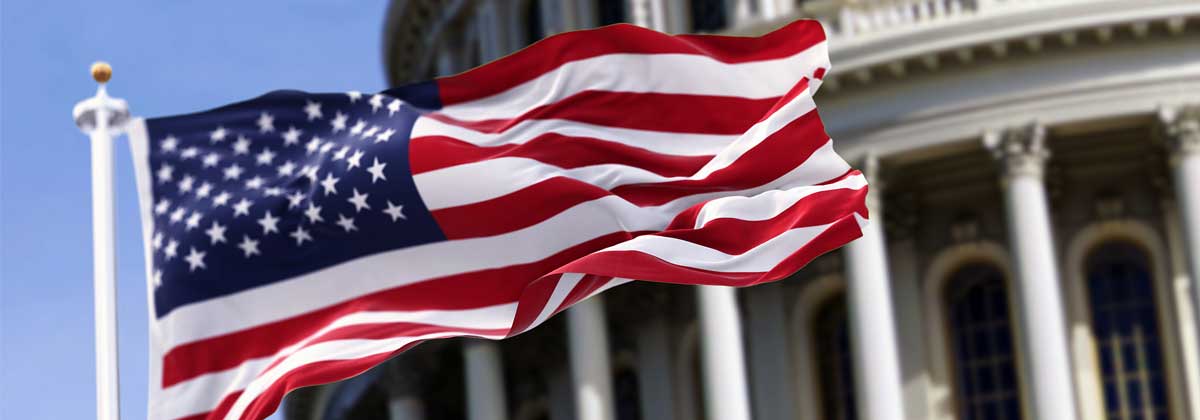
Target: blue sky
169, 57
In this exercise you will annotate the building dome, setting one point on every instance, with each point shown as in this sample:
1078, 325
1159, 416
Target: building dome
1037, 168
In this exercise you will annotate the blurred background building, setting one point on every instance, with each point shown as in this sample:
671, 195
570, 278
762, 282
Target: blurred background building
1037, 256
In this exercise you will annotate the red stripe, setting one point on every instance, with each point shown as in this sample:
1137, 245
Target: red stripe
437, 152
687, 219
588, 284
679, 113
778, 154
551, 53
525, 207
642, 266
470, 290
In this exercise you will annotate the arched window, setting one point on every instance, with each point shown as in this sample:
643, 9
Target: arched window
708, 15
1121, 297
831, 338
981, 341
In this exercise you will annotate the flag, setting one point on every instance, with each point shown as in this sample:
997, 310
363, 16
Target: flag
298, 238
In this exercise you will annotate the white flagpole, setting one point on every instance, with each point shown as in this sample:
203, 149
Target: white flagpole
101, 118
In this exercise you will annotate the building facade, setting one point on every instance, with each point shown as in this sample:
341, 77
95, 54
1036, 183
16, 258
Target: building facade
1035, 255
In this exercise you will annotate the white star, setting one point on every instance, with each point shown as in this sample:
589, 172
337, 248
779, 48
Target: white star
189, 153
301, 235
329, 184
269, 223
265, 157
221, 199
326, 147
195, 260
266, 123
313, 213
273, 192
165, 172
204, 190
370, 132
249, 246
376, 171
312, 145
185, 184
358, 127
294, 199
376, 102
211, 160
168, 144
177, 215
354, 160
170, 252
359, 201
338, 122
216, 233
162, 206
157, 278
393, 107
287, 168
354, 95
346, 223
233, 171
291, 136
157, 241
254, 183
193, 221
341, 153
313, 109
397, 212
310, 172
218, 135
241, 207
385, 135
241, 146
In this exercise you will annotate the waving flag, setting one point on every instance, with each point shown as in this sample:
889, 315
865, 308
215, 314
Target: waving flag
297, 239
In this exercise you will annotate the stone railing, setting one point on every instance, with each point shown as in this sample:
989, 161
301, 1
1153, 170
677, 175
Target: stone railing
856, 18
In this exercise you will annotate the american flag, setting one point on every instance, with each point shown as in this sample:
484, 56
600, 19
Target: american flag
296, 239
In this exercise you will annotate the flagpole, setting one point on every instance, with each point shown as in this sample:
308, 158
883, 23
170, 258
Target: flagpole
101, 118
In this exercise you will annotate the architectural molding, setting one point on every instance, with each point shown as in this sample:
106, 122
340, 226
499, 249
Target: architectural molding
1021, 151
1181, 129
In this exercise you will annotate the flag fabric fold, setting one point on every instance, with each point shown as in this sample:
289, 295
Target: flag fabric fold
296, 238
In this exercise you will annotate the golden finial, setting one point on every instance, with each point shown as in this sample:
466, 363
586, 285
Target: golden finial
101, 71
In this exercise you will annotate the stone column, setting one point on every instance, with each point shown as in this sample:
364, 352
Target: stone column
723, 363
770, 366
403, 381
1022, 155
591, 372
872, 323
484, 380
1182, 129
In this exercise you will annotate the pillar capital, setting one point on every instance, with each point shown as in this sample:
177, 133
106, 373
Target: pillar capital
1181, 127
1021, 151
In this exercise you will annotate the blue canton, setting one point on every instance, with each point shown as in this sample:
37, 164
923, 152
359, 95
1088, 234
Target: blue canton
281, 185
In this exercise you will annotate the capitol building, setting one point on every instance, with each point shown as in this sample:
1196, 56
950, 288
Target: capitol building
1035, 172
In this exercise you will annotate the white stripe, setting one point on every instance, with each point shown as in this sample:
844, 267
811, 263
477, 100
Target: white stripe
768, 204
762, 258
678, 144
461, 184
566, 282
658, 73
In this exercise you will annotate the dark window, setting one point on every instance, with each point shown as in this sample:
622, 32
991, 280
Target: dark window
625, 388
708, 15
1124, 323
982, 344
534, 30
610, 11
832, 338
